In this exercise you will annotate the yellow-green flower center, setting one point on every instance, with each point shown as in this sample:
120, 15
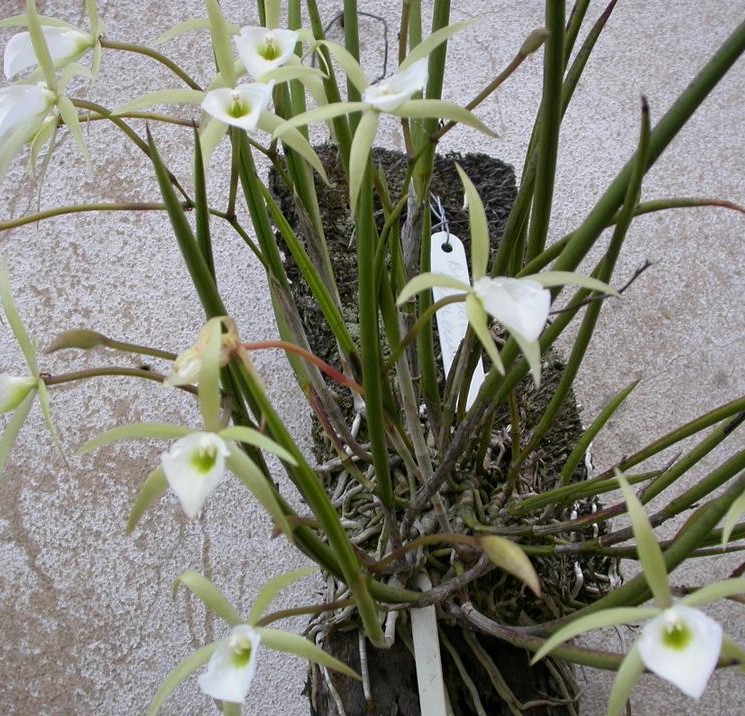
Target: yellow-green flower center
270, 50
204, 458
676, 635
238, 107
241, 652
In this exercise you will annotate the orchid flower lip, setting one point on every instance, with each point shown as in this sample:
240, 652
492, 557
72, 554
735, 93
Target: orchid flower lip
521, 305
65, 45
240, 106
232, 666
682, 646
24, 105
262, 50
389, 94
194, 467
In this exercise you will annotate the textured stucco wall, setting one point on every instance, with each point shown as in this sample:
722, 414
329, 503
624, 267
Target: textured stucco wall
87, 622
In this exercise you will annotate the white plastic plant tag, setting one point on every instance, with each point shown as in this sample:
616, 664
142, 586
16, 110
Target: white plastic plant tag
447, 256
427, 657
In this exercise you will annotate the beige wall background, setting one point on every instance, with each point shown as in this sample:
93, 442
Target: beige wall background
87, 621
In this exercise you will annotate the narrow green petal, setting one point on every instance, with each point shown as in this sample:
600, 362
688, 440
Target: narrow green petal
478, 321
598, 620
425, 281
210, 135
167, 96
14, 318
272, 588
194, 24
70, 116
39, 43
206, 591
532, 352
359, 155
182, 672
549, 279
630, 670
292, 72
259, 440
152, 488
650, 553
734, 513
137, 431
221, 44
258, 484
440, 109
271, 123
349, 65
424, 48
22, 21
714, 592
299, 645
479, 227
319, 114
13, 426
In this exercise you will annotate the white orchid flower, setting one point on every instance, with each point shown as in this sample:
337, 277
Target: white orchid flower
240, 106
389, 94
521, 305
13, 389
65, 45
232, 666
682, 646
24, 106
194, 467
262, 50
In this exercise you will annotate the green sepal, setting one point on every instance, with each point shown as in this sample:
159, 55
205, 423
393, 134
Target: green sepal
300, 646
479, 227
194, 24
428, 280
70, 116
319, 114
14, 424
210, 135
11, 146
182, 672
348, 64
250, 475
22, 21
508, 556
39, 44
206, 591
714, 592
479, 322
250, 436
532, 352
425, 47
286, 73
272, 588
150, 491
734, 513
168, 96
549, 279
597, 620
136, 431
14, 318
359, 155
440, 109
630, 670
221, 44
47, 132
47, 413
272, 124
650, 554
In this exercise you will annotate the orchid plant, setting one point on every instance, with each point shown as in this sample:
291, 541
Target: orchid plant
427, 508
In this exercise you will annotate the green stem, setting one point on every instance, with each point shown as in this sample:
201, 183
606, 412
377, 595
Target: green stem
110, 371
548, 148
147, 52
